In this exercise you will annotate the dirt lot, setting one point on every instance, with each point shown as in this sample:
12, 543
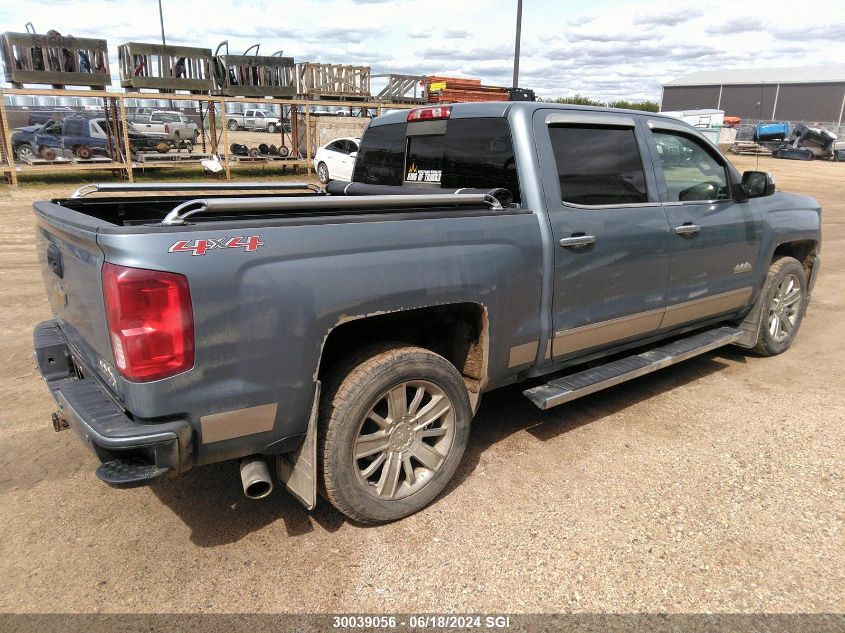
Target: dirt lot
716, 485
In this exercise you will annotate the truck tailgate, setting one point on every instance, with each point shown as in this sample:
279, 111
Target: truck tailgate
71, 264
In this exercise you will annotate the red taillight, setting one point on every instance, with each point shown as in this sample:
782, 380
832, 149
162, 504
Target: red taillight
150, 322
429, 114
166, 129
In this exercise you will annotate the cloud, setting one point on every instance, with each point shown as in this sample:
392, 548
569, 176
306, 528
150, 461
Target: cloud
668, 18
733, 27
586, 36
470, 54
833, 32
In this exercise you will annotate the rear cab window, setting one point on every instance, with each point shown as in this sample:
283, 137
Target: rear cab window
449, 154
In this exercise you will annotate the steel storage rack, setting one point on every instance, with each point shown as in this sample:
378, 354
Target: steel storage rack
253, 75
165, 68
54, 59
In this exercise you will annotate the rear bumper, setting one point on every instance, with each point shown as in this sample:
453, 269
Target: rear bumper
132, 453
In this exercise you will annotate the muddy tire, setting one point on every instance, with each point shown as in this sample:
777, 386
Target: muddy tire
784, 297
394, 422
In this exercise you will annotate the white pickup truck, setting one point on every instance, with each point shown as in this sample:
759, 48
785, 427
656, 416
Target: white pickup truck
174, 125
254, 119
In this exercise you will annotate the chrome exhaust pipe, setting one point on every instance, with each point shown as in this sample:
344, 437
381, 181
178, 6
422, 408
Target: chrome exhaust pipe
255, 477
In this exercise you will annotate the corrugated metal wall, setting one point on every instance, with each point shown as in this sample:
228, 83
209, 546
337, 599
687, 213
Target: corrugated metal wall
689, 97
818, 102
811, 102
749, 102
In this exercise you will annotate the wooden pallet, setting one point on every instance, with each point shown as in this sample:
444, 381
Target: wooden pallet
750, 148
93, 159
171, 157
263, 157
58, 160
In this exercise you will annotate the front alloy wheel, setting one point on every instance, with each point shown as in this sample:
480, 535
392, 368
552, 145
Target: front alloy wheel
25, 153
784, 298
783, 311
323, 173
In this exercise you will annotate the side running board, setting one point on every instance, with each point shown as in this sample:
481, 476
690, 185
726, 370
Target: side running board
582, 383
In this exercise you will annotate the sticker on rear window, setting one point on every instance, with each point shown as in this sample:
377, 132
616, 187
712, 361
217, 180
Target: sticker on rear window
423, 175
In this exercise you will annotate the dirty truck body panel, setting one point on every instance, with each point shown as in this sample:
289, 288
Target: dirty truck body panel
571, 272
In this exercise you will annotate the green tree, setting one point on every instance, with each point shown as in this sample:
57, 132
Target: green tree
577, 99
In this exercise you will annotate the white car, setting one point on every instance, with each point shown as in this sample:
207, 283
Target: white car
335, 160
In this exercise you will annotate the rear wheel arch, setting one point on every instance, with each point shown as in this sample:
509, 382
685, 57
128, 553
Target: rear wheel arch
458, 332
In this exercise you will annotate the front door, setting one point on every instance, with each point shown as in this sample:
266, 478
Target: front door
611, 233
715, 240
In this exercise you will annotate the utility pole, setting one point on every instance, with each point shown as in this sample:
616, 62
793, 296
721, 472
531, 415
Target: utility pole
161, 21
163, 42
515, 83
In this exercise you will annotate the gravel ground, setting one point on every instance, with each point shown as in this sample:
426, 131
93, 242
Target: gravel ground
715, 485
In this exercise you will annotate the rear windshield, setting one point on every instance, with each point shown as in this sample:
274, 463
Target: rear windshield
472, 153
170, 117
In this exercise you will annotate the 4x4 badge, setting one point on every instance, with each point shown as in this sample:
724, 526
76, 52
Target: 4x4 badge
202, 246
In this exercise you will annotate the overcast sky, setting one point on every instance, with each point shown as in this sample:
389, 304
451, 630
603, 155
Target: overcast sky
602, 49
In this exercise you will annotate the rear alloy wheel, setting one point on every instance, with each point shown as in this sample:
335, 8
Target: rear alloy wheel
323, 173
785, 297
271, 128
394, 425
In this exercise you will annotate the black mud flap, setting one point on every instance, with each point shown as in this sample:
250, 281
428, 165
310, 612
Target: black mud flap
298, 470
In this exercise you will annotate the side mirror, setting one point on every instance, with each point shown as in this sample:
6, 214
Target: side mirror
353, 154
756, 184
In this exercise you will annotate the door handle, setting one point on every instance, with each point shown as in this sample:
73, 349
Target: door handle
577, 241
687, 229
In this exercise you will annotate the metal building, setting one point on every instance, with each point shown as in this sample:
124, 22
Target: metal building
814, 94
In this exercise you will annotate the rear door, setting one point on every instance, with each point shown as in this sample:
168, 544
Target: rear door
611, 233
347, 161
714, 239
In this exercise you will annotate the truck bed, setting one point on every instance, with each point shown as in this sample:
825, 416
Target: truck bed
297, 201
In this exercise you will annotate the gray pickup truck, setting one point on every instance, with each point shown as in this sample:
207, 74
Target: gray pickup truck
347, 335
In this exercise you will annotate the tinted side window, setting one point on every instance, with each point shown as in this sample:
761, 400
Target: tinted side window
598, 165
692, 173
479, 153
381, 157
